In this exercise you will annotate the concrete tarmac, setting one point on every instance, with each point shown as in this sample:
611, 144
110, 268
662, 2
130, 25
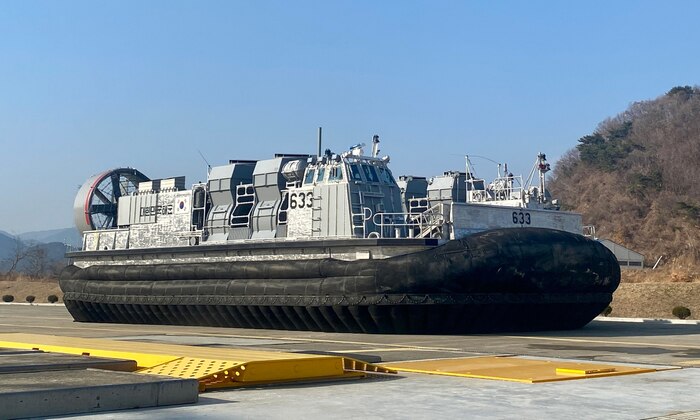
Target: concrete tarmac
669, 392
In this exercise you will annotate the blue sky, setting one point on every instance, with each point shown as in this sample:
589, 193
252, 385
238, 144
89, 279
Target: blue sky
86, 86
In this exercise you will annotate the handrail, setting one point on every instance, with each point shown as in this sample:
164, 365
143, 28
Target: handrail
410, 224
365, 215
500, 189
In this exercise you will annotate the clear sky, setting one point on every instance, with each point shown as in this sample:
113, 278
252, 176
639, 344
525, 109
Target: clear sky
86, 85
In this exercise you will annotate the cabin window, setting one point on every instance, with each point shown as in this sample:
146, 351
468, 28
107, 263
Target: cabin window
355, 172
370, 173
321, 174
284, 208
309, 176
336, 173
385, 175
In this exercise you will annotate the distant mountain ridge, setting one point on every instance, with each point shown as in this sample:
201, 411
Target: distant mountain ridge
636, 178
68, 236
7, 243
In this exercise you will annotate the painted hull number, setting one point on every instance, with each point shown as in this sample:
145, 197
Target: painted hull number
521, 218
301, 200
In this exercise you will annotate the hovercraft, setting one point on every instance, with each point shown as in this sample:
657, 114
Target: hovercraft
333, 242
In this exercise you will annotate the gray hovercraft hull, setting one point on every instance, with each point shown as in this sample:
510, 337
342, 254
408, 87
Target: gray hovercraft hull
522, 279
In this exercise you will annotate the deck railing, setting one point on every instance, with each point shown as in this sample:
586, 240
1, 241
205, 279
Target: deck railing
410, 225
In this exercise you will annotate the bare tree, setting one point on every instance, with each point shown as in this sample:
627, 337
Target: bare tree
38, 262
20, 252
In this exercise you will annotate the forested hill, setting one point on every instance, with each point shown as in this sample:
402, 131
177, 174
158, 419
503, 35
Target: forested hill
637, 178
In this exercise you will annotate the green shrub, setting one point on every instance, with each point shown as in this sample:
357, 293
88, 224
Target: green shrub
607, 311
30, 298
52, 298
8, 298
681, 312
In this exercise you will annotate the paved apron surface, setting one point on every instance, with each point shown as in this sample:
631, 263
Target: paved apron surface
416, 395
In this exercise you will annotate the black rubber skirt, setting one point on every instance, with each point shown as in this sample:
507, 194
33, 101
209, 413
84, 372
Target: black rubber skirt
521, 279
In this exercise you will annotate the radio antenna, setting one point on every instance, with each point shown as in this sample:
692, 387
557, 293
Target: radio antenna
205, 161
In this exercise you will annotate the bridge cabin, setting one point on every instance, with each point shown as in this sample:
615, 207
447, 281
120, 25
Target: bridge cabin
340, 195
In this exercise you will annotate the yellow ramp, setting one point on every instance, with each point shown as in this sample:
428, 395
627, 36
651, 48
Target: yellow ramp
516, 369
213, 367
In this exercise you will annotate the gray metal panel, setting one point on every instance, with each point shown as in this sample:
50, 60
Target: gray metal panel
223, 178
451, 186
344, 209
222, 192
268, 182
333, 203
219, 191
218, 219
124, 211
134, 210
239, 233
265, 219
223, 171
413, 186
325, 220
177, 183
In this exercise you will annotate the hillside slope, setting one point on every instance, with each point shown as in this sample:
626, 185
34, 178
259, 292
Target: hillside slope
637, 178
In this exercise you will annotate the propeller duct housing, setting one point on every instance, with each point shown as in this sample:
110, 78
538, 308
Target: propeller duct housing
95, 206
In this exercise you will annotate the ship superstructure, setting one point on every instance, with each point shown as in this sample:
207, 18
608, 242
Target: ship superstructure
347, 195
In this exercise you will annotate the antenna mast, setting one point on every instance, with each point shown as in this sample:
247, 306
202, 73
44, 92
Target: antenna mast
543, 167
205, 161
375, 146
